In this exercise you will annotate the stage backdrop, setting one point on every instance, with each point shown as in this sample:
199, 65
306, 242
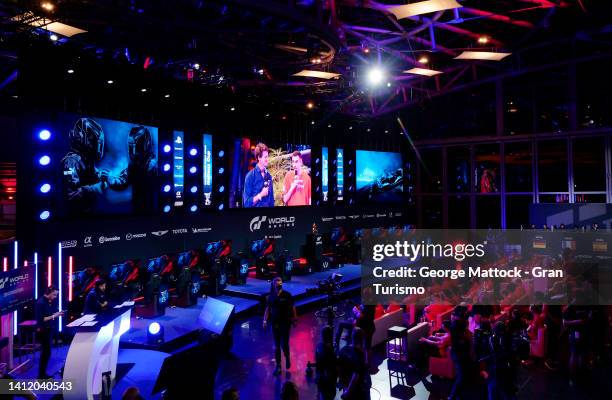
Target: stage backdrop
106, 242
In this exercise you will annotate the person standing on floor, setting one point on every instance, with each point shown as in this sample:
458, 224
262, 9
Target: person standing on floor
281, 314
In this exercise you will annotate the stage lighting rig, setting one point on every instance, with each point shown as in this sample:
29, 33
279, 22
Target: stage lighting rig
375, 76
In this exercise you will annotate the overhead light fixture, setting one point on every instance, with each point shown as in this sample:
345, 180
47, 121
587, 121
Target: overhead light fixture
167, 96
423, 60
53, 37
310, 105
143, 90
47, 6
70, 71
422, 7
483, 40
375, 76
110, 81
317, 74
423, 71
482, 55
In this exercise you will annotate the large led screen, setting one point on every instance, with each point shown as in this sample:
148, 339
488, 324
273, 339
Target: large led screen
107, 167
379, 176
270, 176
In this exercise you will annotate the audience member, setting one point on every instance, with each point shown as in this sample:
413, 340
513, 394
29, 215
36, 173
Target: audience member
327, 366
230, 394
353, 372
289, 391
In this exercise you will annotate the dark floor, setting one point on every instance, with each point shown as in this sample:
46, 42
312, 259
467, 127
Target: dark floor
250, 367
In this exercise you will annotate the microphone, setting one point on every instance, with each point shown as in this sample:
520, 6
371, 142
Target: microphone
266, 180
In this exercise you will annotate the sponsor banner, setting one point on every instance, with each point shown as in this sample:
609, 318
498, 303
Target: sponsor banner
130, 236
159, 233
340, 217
263, 221
69, 244
207, 167
327, 219
179, 167
106, 239
325, 173
87, 241
200, 230
340, 172
16, 288
180, 231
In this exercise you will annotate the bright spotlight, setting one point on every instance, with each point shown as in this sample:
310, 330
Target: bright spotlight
375, 76
193, 170
44, 134
155, 333
167, 188
221, 170
166, 167
220, 207
194, 208
167, 148
45, 188
221, 189
44, 215
166, 208
47, 6
221, 153
53, 37
193, 151
44, 160
70, 71
194, 189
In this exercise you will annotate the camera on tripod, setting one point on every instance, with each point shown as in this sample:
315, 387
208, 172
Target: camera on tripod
330, 286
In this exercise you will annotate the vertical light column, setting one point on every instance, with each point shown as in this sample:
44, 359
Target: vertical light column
35, 276
325, 173
70, 261
340, 173
15, 265
59, 282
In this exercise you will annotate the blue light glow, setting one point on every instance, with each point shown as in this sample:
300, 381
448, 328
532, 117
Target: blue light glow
193, 151
44, 134
194, 208
220, 207
154, 328
222, 189
221, 153
194, 189
193, 170
167, 148
44, 160
167, 188
166, 167
166, 208
221, 170
45, 188
44, 215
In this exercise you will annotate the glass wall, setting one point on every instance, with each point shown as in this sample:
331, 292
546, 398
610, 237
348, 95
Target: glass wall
486, 190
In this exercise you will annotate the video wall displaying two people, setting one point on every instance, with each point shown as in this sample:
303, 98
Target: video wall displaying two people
111, 167
108, 167
270, 177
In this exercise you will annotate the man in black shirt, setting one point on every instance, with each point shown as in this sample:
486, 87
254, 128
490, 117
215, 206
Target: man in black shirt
45, 317
280, 311
353, 370
327, 363
96, 301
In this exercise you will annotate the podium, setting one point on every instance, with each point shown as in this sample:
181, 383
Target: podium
94, 351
